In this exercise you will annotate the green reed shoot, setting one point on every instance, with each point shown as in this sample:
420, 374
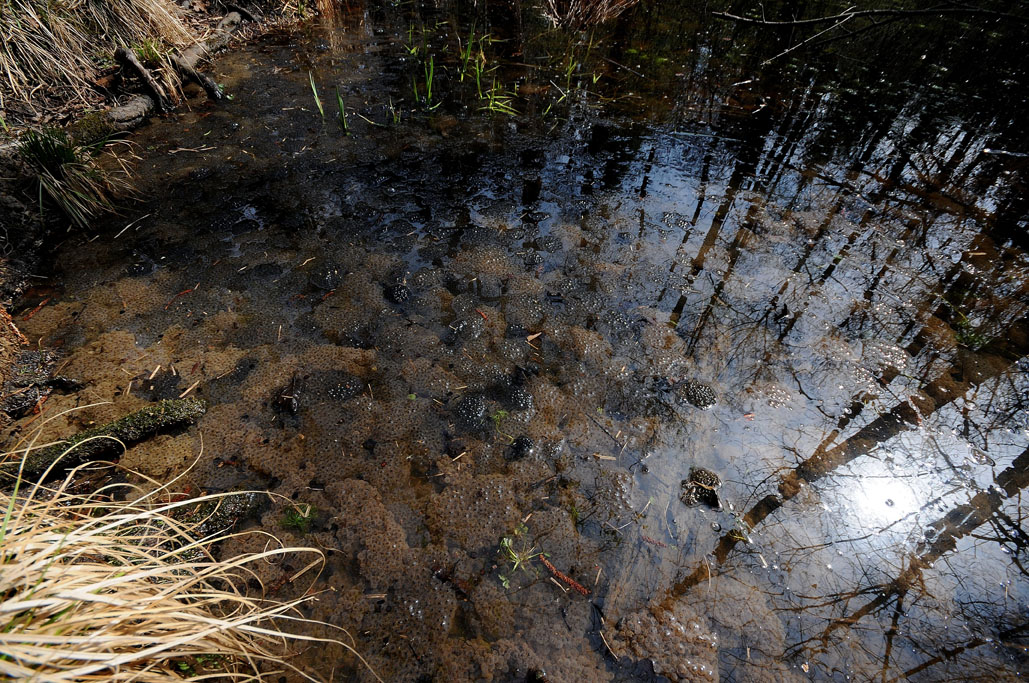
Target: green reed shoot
499, 101
477, 66
572, 64
410, 46
430, 72
466, 52
342, 112
314, 91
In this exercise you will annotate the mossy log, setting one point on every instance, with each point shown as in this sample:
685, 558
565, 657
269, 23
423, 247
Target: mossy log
220, 515
94, 443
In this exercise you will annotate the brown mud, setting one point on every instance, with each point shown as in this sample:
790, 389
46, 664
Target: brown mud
465, 337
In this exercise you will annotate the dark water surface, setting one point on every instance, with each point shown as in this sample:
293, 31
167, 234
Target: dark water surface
464, 334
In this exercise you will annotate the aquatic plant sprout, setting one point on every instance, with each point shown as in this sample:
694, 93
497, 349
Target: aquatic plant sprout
314, 91
342, 112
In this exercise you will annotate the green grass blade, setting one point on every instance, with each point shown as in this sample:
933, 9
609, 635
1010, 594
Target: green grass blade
342, 112
314, 90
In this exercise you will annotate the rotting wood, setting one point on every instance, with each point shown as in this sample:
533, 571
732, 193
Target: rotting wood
133, 112
96, 442
189, 73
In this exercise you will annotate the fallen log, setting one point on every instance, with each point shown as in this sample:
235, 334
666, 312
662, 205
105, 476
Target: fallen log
132, 114
94, 443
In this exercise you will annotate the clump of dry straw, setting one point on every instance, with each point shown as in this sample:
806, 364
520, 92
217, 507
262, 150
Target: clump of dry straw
53, 46
92, 589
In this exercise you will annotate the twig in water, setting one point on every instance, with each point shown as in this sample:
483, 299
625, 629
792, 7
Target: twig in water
654, 541
28, 316
572, 583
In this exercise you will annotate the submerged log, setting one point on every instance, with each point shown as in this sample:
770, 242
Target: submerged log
94, 443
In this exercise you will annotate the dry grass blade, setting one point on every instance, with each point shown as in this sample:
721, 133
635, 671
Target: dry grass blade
580, 14
93, 590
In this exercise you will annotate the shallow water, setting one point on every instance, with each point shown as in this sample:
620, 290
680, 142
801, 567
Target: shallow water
462, 335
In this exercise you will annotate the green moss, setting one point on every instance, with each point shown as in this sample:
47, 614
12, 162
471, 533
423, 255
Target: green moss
94, 127
299, 518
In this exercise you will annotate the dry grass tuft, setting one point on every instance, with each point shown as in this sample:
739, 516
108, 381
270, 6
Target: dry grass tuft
579, 14
51, 47
95, 590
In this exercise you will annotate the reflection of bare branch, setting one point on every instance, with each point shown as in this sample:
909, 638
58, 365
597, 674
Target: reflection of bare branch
961, 521
802, 43
943, 390
952, 652
890, 633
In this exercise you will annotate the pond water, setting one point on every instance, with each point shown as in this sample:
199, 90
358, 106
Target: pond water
484, 319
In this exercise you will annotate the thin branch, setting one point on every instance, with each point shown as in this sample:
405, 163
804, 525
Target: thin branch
855, 13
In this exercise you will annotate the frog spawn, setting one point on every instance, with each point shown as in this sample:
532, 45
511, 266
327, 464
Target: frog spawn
696, 393
676, 641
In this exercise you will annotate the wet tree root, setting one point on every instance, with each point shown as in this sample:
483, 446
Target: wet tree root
128, 60
94, 443
186, 62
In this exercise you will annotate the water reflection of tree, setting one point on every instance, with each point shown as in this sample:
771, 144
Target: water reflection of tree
986, 508
901, 592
